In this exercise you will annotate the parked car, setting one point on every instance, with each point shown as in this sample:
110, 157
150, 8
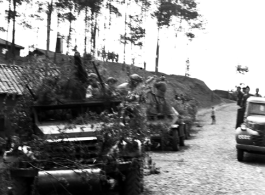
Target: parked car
250, 136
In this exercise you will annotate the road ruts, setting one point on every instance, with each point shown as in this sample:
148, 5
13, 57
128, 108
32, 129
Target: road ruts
207, 165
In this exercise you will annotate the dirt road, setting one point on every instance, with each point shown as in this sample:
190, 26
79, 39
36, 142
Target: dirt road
208, 164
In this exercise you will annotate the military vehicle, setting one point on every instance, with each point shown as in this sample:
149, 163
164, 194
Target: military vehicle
77, 157
250, 135
168, 128
173, 136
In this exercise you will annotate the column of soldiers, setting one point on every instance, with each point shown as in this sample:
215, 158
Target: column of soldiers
242, 101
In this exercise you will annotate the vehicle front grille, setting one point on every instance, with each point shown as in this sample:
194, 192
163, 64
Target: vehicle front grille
259, 140
81, 151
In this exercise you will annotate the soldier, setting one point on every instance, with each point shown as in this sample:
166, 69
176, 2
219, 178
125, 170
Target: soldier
131, 85
241, 111
239, 96
245, 97
80, 72
111, 82
93, 88
161, 88
257, 93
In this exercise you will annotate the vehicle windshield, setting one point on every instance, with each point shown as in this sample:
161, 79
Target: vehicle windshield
256, 109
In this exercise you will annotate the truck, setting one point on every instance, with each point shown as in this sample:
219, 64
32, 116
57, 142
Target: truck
168, 132
76, 158
78, 146
167, 127
250, 135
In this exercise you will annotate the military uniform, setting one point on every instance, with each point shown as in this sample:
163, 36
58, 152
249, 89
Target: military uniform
239, 98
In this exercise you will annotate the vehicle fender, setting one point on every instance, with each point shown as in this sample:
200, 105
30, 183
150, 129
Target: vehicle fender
179, 128
182, 130
245, 137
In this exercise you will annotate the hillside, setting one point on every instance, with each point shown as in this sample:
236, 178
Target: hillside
189, 87
195, 92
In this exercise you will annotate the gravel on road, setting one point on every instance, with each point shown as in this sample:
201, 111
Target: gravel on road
207, 165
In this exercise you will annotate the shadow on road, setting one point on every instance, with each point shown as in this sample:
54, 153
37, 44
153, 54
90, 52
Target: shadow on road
254, 159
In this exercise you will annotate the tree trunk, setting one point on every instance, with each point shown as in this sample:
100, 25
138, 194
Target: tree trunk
95, 34
157, 53
86, 18
55, 53
14, 31
7, 32
143, 14
130, 22
49, 16
125, 41
109, 13
69, 37
92, 33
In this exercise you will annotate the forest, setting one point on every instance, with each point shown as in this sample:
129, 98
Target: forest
97, 24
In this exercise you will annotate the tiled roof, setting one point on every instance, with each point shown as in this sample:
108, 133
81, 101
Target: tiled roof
3, 42
10, 79
13, 78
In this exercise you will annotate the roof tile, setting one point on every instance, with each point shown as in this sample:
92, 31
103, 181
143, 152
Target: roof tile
12, 79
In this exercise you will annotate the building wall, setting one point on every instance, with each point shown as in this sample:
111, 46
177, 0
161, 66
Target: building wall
11, 101
17, 50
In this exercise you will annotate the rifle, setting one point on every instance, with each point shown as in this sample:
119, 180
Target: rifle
31, 93
100, 79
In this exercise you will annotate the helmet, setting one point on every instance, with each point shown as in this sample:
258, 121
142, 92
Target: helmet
136, 77
111, 80
162, 78
92, 76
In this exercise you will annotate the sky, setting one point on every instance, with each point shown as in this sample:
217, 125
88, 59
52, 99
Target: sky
233, 35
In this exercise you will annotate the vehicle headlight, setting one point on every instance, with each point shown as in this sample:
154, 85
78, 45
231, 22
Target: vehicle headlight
243, 127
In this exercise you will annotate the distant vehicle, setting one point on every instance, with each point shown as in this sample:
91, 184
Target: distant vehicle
177, 132
250, 136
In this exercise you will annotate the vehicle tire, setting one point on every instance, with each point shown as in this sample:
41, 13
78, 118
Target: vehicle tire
175, 140
240, 155
133, 184
21, 186
182, 141
187, 131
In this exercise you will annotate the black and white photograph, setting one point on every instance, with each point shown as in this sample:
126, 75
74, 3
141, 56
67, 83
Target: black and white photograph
132, 97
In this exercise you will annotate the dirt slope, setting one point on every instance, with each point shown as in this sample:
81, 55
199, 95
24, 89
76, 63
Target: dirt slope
189, 87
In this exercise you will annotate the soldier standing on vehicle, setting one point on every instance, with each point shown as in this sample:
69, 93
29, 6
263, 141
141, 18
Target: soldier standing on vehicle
257, 93
239, 96
244, 90
241, 111
161, 88
111, 86
245, 97
131, 85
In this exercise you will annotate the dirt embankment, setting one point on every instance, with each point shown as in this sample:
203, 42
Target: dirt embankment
190, 88
177, 85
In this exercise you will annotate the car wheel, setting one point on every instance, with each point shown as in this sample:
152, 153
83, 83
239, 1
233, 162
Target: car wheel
21, 186
175, 141
133, 184
240, 155
182, 141
185, 132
